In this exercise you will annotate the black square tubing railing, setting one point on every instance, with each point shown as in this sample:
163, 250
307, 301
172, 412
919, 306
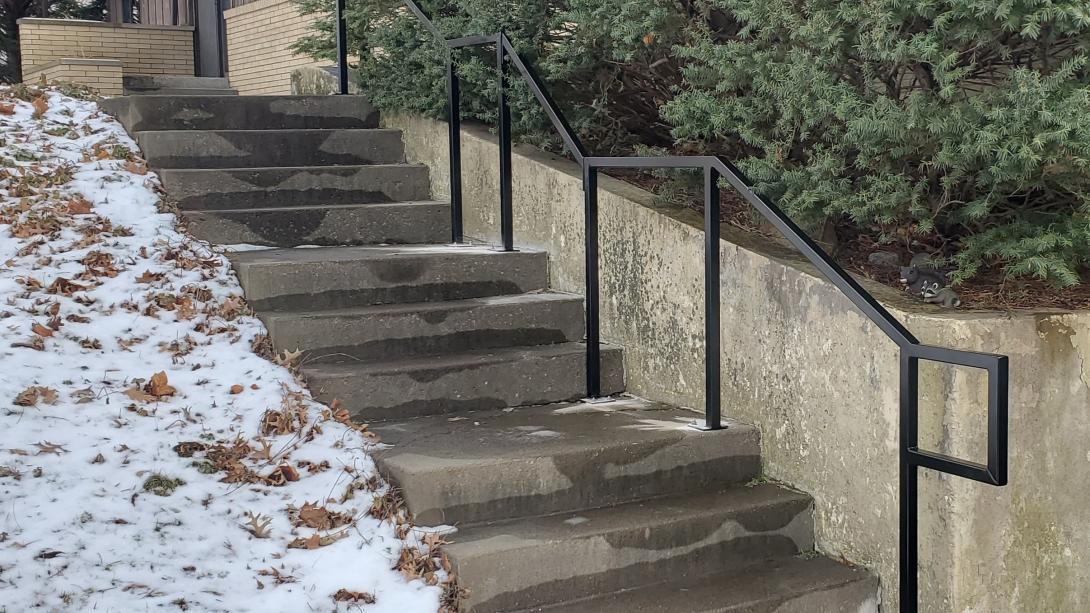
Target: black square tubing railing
716, 171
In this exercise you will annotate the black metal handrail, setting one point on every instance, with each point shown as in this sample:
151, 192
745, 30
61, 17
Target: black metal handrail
717, 168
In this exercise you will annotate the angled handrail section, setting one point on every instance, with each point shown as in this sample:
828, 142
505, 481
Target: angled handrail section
717, 169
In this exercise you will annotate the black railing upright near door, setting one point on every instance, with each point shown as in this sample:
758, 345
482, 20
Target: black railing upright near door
717, 169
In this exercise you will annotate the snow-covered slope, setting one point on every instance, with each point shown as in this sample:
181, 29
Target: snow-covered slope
149, 458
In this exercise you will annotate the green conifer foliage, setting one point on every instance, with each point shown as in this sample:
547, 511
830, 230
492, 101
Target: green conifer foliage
959, 120
960, 126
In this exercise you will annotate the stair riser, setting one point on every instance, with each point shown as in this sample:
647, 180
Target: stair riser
466, 494
396, 223
267, 148
439, 391
544, 572
285, 187
393, 335
338, 284
142, 113
181, 91
856, 597
154, 82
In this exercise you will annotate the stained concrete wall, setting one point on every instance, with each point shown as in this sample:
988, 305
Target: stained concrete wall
821, 382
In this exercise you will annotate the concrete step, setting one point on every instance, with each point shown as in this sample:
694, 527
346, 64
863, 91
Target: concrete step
526, 563
143, 113
787, 585
442, 385
157, 82
336, 277
340, 224
264, 148
393, 331
251, 188
558, 458
180, 91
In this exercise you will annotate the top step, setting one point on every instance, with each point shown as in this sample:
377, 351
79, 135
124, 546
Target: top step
152, 83
149, 113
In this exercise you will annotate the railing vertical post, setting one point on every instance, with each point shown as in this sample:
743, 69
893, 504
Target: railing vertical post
455, 125
909, 484
506, 222
342, 49
590, 214
712, 415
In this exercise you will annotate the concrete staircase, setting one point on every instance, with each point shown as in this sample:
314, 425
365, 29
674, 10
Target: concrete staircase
170, 85
468, 365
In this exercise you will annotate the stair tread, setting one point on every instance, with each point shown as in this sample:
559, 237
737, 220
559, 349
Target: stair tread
365, 252
493, 437
757, 589
527, 532
316, 207
546, 297
566, 456
461, 360
315, 169
270, 131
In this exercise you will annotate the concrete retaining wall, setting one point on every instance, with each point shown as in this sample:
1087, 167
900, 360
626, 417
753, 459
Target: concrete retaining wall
821, 382
259, 39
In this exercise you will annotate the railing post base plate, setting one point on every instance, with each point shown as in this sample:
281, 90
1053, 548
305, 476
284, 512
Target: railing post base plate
704, 427
598, 400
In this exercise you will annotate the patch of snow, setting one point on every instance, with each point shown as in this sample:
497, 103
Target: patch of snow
103, 508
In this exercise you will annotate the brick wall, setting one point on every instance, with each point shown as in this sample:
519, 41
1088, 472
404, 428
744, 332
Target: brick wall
259, 37
103, 75
142, 49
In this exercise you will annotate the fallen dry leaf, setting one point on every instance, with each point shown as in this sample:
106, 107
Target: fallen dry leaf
344, 595
41, 105
158, 386
41, 330
7, 108
79, 206
32, 395
237, 389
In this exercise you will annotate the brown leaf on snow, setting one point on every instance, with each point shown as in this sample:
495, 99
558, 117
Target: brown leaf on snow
282, 475
321, 518
136, 167
344, 595
237, 389
312, 542
64, 287
158, 386
47, 447
186, 449
257, 525
7, 108
139, 395
41, 330
150, 277
79, 206
36, 343
32, 395
41, 105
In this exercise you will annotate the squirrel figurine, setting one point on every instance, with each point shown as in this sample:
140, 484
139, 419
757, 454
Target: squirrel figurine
923, 280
